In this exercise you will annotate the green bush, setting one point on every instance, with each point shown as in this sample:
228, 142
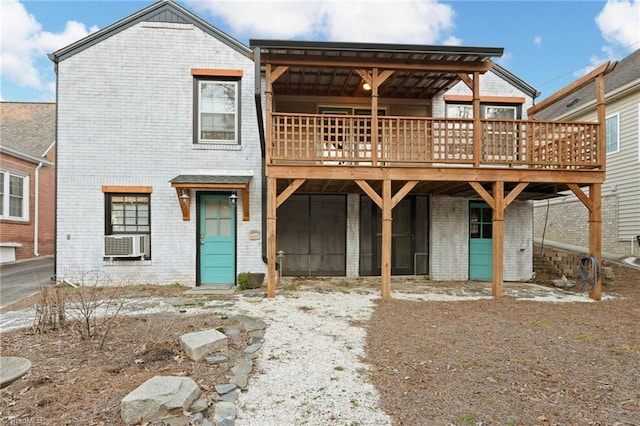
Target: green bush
243, 280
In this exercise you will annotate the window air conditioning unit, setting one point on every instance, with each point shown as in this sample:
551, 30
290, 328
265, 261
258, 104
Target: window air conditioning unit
132, 245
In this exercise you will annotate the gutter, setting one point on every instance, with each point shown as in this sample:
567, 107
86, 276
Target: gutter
36, 208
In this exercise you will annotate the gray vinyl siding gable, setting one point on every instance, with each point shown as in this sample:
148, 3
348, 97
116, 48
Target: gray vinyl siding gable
623, 167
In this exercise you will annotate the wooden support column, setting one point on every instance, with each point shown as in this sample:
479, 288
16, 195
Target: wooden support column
268, 92
477, 124
271, 236
593, 202
595, 234
602, 120
387, 217
498, 239
374, 116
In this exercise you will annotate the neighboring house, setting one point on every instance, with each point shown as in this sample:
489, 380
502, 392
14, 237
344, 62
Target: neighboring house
27, 180
186, 156
563, 219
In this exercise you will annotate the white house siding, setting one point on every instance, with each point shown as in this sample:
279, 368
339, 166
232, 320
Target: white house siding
620, 192
450, 242
125, 108
490, 85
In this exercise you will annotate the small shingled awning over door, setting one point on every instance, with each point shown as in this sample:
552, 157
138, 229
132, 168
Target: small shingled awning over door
184, 184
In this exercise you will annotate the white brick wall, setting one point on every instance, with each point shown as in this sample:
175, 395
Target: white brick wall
449, 259
490, 85
125, 109
449, 253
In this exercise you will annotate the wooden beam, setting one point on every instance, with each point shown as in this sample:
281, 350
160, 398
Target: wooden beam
137, 189
387, 217
271, 237
214, 72
399, 196
436, 66
268, 120
184, 201
245, 205
364, 74
498, 240
514, 193
384, 75
435, 174
483, 193
277, 73
466, 80
573, 87
370, 192
581, 195
374, 116
602, 121
293, 186
477, 124
595, 235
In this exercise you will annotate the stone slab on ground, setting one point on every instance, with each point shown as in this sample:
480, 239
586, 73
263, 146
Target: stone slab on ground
158, 397
12, 368
199, 344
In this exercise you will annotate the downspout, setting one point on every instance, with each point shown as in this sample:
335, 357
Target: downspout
36, 208
53, 58
260, 119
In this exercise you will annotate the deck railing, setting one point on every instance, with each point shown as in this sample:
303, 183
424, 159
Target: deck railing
347, 140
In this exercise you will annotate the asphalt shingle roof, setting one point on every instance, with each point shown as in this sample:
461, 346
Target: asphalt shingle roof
27, 127
627, 71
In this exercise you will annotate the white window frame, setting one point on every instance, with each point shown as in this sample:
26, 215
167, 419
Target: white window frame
615, 116
236, 112
6, 213
465, 110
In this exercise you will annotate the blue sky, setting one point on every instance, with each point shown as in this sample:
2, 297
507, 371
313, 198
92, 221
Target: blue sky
548, 44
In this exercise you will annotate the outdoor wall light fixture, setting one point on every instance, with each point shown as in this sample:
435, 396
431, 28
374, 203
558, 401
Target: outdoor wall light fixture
366, 86
233, 199
184, 199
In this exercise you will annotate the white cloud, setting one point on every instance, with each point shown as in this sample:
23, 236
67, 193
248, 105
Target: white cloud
25, 45
619, 22
401, 21
537, 41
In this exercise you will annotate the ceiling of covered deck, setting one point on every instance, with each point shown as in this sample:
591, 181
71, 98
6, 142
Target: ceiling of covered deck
329, 68
534, 191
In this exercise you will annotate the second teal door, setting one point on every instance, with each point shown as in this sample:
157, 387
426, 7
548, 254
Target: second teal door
217, 239
480, 241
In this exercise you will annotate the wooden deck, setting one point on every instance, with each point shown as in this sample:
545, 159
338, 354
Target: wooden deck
317, 139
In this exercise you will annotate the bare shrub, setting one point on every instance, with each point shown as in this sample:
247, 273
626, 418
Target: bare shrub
50, 309
94, 306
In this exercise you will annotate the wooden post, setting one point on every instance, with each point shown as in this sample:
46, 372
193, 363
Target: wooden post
595, 234
602, 120
271, 236
477, 124
374, 117
386, 238
498, 239
268, 92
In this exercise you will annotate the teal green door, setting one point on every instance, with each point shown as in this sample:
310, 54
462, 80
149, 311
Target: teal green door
480, 242
217, 232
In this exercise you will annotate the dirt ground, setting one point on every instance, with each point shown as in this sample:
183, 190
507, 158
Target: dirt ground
485, 362
510, 362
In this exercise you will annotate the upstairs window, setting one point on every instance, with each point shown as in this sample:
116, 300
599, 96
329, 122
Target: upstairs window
217, 111
490, 111
612, 126
14, 196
